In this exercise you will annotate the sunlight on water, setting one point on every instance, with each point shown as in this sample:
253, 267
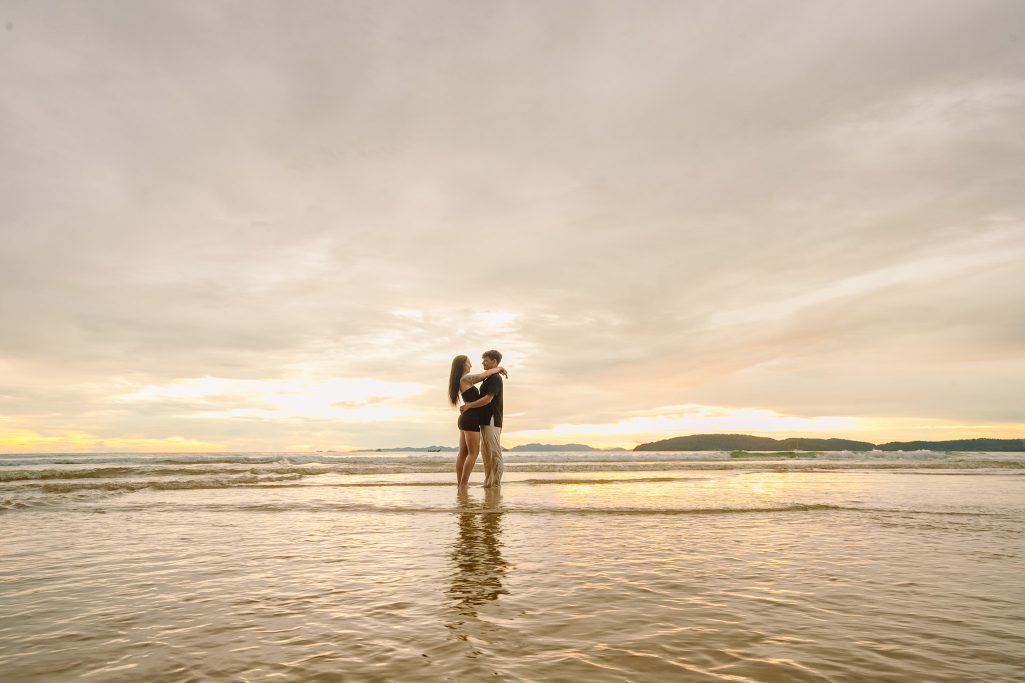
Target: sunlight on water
178, 568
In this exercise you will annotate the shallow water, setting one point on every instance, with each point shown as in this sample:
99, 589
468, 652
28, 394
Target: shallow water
325, 568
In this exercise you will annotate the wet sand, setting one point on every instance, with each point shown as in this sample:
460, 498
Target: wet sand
728, 574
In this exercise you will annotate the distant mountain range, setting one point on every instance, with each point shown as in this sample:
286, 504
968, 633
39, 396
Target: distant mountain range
996, 445
527, 448
412, 449
745, 442
542, 447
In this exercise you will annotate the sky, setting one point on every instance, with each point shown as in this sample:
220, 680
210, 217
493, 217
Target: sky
270, 226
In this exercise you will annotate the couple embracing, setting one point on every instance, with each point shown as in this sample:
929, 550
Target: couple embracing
480, 419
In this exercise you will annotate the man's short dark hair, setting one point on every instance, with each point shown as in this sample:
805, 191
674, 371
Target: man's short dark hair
493, 355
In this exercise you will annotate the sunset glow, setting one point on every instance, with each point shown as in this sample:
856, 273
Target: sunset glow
665, 228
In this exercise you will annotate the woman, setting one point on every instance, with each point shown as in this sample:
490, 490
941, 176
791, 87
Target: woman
461, 384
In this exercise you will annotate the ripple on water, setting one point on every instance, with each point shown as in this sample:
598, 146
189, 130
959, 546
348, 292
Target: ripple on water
766, 577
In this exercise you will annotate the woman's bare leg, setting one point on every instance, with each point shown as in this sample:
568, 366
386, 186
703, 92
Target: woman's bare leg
461, 457
472, 440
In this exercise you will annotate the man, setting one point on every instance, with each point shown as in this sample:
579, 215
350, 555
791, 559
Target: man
491, 421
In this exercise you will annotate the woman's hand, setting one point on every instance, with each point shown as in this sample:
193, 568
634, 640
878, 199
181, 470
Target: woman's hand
503, 372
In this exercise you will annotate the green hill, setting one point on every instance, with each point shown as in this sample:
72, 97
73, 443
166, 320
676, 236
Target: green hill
543, 447
991, 445
745, 442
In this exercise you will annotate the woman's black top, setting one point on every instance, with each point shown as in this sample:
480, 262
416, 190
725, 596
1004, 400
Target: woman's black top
469, 420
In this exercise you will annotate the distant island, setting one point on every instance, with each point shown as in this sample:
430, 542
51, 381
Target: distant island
541, 447
526, 448
410, 449
745, 442
996, 445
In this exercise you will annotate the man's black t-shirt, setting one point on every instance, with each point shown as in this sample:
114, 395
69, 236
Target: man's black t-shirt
493, 411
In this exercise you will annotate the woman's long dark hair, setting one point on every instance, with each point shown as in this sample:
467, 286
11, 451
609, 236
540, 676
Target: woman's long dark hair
456, 374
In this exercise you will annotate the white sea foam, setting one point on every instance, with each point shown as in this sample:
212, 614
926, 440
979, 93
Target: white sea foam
41, 480
26, 460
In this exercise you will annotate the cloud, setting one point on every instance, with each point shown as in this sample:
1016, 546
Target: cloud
788, 207
668, 421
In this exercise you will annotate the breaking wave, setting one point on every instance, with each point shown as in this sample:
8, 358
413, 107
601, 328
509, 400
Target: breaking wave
33, 480
425, 458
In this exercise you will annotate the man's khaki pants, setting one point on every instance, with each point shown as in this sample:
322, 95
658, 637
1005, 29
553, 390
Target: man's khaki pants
491, 449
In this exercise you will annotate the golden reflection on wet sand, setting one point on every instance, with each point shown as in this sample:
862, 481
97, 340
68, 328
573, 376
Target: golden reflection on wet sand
478, 568
734, 575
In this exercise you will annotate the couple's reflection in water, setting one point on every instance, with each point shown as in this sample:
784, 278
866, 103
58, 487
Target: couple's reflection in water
478, 568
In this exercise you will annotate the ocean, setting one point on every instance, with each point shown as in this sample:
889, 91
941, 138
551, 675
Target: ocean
589, 566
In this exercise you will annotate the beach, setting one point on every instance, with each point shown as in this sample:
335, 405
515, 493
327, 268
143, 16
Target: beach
582, 566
